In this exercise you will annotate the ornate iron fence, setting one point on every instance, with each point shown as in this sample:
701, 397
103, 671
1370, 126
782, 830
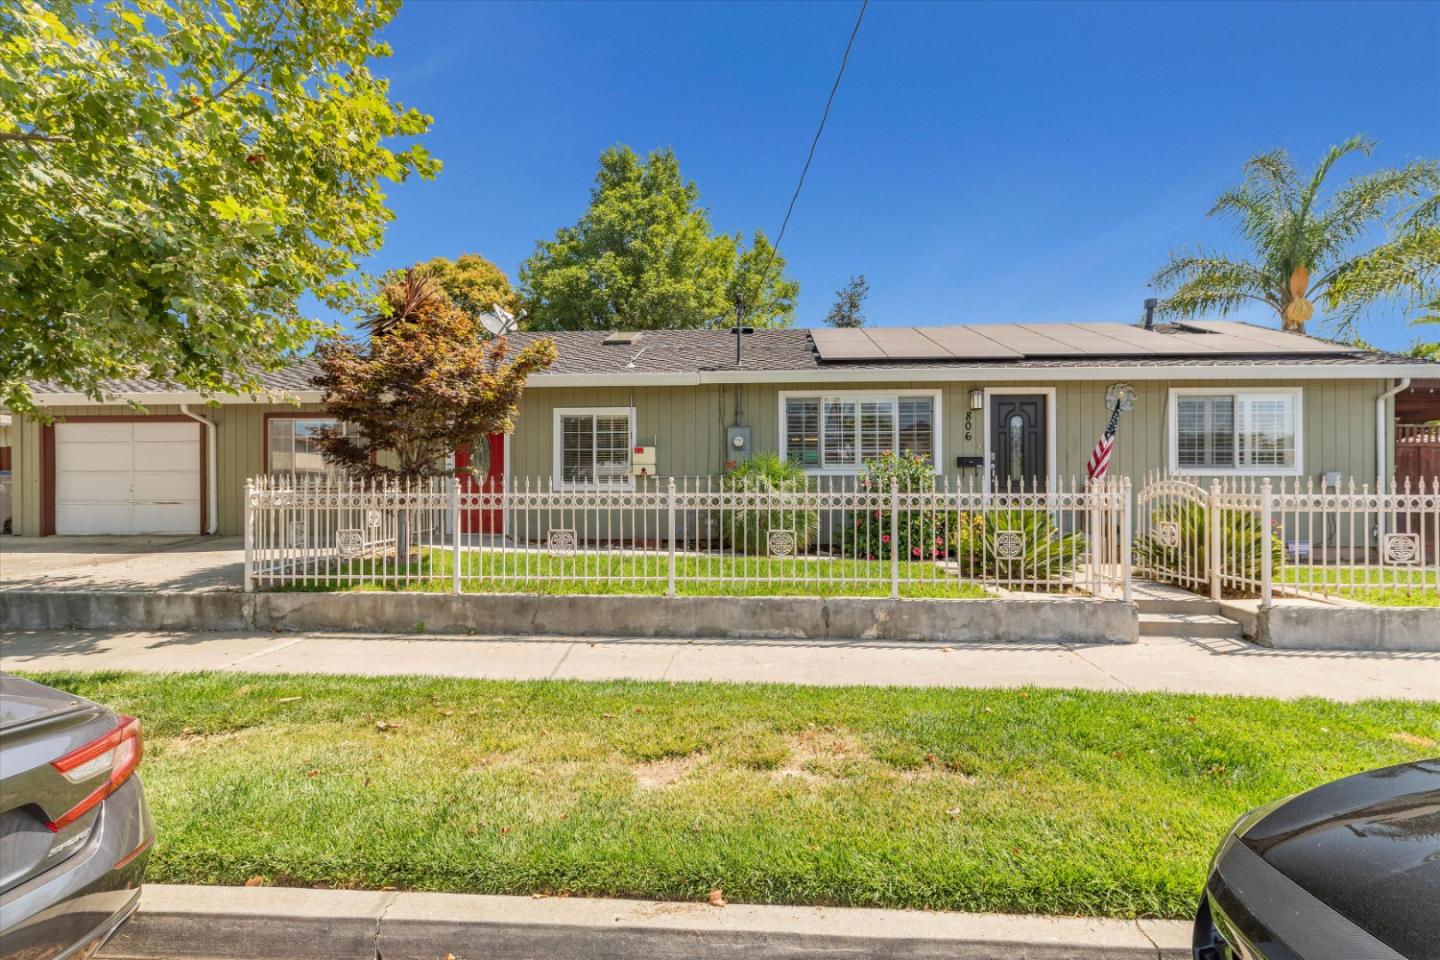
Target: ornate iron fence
833, 535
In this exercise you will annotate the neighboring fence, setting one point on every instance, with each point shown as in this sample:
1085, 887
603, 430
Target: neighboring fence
1292, 537
833, 535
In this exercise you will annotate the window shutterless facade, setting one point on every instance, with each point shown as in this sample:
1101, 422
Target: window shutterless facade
290, 446
838, 432
1218, 432
592, 446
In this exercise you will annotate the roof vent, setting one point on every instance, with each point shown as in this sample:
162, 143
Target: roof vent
623, 338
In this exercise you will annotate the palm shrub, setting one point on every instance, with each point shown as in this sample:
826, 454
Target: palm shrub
749, 529
1242, 541
922, 534
984, 546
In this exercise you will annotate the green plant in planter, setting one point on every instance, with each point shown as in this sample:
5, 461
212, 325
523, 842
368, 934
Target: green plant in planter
749, 529
1241, 538
1017, 544
921, 534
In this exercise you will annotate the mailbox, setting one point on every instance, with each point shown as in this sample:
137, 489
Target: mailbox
642, 461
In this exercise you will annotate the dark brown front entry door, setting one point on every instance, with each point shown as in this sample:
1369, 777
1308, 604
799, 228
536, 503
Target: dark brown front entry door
1018, 441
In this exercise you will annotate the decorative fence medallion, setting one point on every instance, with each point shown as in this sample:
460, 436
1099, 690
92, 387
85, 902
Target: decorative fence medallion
1009, 544
1401, 548
780, 543
373, 518
1168, 534
297, 533
350, 542
562, 542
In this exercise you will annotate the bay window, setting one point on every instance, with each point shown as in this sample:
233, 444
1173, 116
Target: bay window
839, 432
1235, 431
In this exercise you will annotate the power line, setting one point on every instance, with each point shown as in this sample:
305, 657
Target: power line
775, 247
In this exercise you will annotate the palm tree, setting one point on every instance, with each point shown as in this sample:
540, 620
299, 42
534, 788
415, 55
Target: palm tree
1306, 247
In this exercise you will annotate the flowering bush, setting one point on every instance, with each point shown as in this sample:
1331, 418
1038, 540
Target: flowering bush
920, 534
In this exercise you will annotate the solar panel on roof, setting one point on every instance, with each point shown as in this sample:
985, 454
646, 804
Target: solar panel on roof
1023, 340
1089, 342
967, 342
1161, 344
907, 343
845, 345
1277, 341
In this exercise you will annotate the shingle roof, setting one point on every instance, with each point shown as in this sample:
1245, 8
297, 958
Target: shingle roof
767, 351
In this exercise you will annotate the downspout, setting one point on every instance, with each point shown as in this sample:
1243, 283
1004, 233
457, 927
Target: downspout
1382, 461
212, 477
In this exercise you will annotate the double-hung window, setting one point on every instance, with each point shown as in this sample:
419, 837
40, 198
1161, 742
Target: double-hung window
839, 432
592, 446
291, 447
1235, 431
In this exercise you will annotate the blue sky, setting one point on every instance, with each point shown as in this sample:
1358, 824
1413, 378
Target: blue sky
1021, 162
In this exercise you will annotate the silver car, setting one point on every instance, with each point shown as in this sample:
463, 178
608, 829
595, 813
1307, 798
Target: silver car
74, 829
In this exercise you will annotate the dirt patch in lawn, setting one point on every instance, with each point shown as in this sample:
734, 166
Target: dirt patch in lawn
1413, 740
664, 773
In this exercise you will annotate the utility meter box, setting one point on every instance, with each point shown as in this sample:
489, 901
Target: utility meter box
737, 443
642, 461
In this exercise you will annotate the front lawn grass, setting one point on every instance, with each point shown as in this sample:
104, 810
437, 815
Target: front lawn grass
1045, 801
595, 572
1388, 587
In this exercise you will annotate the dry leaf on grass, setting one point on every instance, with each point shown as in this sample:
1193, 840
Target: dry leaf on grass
289, 699
255, 882
717, 899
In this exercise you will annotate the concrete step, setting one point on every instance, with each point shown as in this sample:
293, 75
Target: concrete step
1189, 625
1190, 604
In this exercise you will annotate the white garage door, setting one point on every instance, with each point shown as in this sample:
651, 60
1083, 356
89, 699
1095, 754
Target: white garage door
127, 477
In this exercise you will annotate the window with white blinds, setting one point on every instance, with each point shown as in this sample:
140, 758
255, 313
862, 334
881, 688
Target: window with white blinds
839, 432
592, 446
1239, 431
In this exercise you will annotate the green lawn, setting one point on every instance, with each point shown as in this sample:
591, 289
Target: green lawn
599, 573
1028, 800
1393, 587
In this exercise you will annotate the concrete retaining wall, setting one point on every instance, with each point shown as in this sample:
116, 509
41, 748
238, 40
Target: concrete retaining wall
1069, 619
1322, 627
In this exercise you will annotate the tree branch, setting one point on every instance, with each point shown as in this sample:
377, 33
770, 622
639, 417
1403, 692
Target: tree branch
239, 78
34, 138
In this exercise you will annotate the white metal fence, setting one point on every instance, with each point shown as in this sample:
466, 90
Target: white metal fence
830, 535
1290, 537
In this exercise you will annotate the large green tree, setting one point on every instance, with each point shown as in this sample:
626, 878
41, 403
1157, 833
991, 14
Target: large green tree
471, 282
176, 174
1371, 239
644, 256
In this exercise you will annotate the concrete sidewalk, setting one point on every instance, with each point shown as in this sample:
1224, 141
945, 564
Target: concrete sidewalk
1154, 664
242, 923
122, 563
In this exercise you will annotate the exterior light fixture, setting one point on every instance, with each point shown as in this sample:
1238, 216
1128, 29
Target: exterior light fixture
977, 399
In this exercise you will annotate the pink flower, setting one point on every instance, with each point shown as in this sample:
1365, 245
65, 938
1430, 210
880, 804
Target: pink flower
914, 551
939, 541
884, 538
877, 514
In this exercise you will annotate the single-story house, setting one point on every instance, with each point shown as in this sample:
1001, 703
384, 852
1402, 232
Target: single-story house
997, 402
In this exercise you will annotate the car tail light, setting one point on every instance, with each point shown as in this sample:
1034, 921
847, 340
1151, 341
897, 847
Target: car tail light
113, 756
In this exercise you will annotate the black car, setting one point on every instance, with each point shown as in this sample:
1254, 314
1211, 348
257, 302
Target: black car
1347, 871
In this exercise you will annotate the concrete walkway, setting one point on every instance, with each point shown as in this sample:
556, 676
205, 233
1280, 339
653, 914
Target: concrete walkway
121, 563
1156, 663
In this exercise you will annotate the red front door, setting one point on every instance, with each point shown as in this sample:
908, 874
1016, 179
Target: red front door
489, 477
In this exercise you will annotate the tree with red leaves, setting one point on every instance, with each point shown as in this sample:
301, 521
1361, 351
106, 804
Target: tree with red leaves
424, 385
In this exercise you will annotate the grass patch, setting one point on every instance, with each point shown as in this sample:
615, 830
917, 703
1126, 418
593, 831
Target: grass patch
1048, 801
1391, 587
600, 573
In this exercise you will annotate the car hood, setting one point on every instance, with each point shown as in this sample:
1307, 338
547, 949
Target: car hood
1368, 847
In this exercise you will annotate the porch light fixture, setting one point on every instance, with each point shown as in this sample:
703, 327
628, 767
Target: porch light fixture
977, 399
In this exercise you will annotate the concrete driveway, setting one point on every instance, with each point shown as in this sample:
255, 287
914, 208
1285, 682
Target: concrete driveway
121, 563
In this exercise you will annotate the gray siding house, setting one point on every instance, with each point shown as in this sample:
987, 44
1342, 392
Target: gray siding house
997, 402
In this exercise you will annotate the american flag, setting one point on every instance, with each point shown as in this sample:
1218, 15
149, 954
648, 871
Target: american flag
1100, 459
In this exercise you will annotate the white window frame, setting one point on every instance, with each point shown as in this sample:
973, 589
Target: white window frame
1297, 395
331, 470
557, 463
937, 455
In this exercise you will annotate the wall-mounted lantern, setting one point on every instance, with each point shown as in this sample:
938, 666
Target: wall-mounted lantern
977, 399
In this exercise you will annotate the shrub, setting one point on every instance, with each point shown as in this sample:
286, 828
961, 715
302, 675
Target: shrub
1241, 538
749, 529
922, 534
1045, 553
